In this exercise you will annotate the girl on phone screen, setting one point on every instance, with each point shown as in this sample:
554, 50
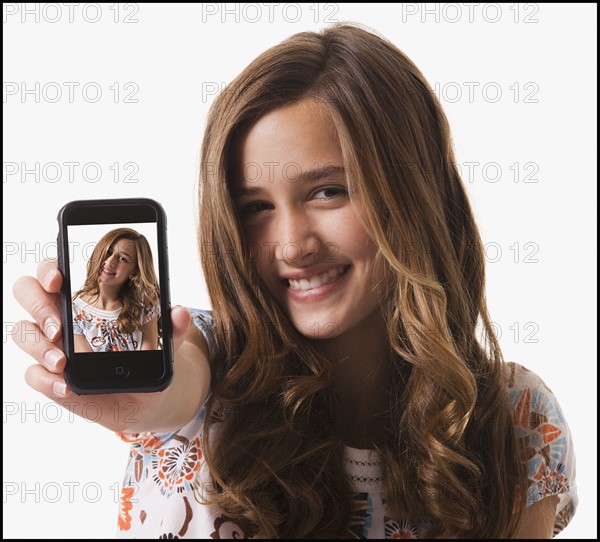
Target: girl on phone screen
118, 307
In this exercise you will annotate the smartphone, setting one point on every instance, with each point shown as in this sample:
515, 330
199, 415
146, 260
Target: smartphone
115, 300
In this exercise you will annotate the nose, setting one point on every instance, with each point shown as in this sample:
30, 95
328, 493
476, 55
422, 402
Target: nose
109, 260
297, 238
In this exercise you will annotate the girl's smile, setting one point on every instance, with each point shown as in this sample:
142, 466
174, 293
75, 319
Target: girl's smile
309, 287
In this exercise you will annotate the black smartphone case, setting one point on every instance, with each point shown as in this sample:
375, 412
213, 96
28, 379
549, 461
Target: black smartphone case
114, 372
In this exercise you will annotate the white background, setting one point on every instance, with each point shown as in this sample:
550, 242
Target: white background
61, 476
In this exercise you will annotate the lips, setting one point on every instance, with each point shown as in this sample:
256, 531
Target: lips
109, 273
309, 282
317, 292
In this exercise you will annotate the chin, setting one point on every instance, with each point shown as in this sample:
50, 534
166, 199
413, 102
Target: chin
319, 329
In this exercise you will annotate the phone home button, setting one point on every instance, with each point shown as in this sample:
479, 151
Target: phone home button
120, 370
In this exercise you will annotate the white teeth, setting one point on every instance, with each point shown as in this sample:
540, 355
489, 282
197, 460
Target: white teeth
317, 280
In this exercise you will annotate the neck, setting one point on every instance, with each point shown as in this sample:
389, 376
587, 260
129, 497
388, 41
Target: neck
107, 299
362, 374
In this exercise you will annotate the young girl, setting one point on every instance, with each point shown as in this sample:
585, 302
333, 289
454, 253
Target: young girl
118, 307
337, 388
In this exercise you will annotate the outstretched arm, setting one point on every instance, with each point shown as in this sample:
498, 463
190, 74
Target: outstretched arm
150, 335
80, 343
191, 381
538, 519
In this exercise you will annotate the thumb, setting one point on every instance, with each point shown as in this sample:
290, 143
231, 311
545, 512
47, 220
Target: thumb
181, 320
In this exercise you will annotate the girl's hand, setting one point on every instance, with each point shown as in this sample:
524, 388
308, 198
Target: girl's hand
40, 297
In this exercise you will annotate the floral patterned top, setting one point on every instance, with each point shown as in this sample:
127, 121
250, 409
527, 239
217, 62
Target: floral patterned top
100, 329
166, 476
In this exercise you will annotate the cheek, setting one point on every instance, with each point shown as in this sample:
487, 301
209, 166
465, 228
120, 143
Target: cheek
353, 239
260, 248
262, 260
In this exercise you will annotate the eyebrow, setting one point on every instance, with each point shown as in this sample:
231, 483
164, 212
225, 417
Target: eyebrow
312, 175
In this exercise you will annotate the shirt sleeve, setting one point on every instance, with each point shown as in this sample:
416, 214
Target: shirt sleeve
204, 321
150, 313
541, 427
77, 327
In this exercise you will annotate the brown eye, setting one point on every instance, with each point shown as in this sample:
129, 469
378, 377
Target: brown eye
330, 192
255, 207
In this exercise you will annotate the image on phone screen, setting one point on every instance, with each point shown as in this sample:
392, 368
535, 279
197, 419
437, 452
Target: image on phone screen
114, 287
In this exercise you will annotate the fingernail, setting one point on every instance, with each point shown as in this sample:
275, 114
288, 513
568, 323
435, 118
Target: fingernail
59, 388
52, 357
51, 328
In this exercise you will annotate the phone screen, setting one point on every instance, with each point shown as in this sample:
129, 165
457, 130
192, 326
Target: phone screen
115, 299
124, 266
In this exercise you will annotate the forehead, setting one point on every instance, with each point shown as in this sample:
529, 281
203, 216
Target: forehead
300, 136
124, 245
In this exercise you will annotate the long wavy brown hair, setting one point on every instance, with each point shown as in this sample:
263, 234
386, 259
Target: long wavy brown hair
136, 294
450, 457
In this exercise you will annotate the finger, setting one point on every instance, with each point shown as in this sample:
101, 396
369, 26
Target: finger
37, 302
182, 320
31, 340
49, 275
51, 385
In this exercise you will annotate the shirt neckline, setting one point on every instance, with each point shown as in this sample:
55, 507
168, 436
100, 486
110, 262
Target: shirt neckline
363, 468
95, 310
